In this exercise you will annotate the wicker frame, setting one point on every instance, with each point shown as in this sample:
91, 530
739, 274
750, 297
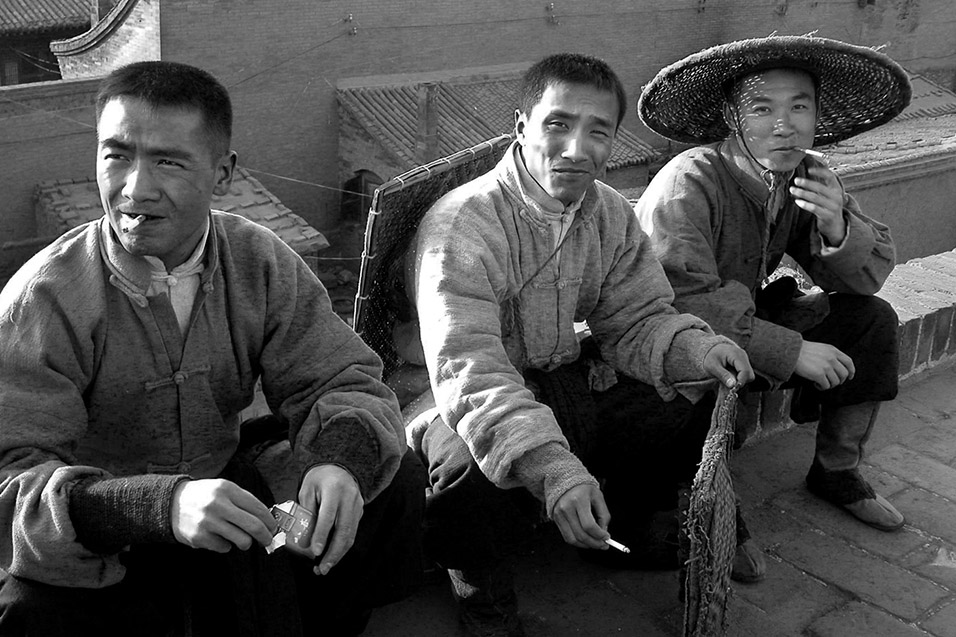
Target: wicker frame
397, 208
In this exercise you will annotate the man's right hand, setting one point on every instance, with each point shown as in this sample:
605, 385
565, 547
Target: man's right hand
824, 365
218, 514
582, 517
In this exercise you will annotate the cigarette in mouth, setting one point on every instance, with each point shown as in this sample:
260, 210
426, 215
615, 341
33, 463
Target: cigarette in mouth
138, 219
617, 545
813, 153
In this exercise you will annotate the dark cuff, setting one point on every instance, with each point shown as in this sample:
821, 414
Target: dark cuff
111, 513
349, 444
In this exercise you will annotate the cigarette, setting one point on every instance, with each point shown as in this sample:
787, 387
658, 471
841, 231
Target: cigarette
614, 544
813, 153
138, 219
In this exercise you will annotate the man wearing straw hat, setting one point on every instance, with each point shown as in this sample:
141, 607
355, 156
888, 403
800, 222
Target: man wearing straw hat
723, 214
504, 266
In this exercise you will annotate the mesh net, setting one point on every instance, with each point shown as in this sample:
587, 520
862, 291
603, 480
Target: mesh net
397, 208
711, 527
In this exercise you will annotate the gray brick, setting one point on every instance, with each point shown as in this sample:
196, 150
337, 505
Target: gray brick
874, 580
917, 469
861, 620
929, 513
943, 622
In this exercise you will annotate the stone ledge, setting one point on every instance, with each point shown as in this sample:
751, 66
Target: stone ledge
923, 293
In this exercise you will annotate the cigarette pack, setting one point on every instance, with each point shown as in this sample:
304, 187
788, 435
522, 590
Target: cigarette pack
294, 528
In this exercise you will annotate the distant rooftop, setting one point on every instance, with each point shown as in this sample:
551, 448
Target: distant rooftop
62, 205
469, 111
927, 127
36, 16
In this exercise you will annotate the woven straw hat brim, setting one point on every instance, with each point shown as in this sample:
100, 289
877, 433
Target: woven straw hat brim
859, 88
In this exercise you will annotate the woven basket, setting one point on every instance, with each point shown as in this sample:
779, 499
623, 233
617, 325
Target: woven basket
397, 208
711, 527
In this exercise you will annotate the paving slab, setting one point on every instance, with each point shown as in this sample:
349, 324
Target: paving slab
828, 575
862, 620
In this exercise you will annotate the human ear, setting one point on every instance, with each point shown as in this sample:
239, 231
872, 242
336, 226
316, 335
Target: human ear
729, 117
520, 122
225, 171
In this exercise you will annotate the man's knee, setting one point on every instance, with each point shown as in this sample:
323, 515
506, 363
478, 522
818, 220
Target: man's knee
869, 311
33, 608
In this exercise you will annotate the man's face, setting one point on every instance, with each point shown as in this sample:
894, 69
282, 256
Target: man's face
158, 162
776, 112
566, 138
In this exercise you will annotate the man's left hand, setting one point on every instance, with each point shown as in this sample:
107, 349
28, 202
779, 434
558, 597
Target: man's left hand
334, 495
729, 364
822, 196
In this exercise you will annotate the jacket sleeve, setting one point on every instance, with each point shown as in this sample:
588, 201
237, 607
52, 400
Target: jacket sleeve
638, 328
325, 381
676, 210
461, 266
859, 265
46, 358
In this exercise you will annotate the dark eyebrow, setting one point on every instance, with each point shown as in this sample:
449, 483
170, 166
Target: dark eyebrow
565, 115
172, 153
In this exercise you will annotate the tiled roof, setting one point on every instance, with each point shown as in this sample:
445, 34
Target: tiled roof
61, 205
32, 16
469, 112
927, 127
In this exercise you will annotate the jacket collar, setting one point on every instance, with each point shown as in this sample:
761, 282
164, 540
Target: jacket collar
741, 167
133, 275
509, 176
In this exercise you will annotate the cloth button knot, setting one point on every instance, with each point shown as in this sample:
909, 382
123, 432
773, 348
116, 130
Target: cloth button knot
179, 378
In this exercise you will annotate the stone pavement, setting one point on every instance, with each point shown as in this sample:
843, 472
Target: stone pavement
828, 575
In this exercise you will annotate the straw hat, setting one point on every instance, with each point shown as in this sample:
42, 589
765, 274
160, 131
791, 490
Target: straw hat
858, 88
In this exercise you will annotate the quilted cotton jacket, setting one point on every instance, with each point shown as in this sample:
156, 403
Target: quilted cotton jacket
100, 390
494, 299
705, 212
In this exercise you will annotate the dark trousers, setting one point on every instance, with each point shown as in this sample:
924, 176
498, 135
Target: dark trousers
865, 329
639, 446
176, 590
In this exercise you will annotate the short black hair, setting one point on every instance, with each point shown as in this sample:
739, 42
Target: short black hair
171, 84
570, 68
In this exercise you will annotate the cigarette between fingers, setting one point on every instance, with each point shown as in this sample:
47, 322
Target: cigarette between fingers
617, 545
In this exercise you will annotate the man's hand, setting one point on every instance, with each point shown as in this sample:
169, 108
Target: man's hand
824, 365
822, 197
334, 495
729, 364
217, 515
582, 517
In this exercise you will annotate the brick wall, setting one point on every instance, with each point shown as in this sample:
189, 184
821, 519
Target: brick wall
46, 133
129, 33
282, 58
923, 293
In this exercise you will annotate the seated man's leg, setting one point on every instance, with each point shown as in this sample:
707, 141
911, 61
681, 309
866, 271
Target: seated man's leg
645, 450
864, 328
167, 590
384, 564
32, 608
473, 529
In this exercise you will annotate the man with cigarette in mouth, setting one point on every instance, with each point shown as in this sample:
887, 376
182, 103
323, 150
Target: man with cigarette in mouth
132, 499
526, 414
722, 215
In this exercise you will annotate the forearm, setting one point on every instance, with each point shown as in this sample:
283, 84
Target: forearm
110, 513
550, 471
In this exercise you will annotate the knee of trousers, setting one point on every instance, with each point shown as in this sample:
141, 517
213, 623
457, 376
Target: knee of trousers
872, 312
